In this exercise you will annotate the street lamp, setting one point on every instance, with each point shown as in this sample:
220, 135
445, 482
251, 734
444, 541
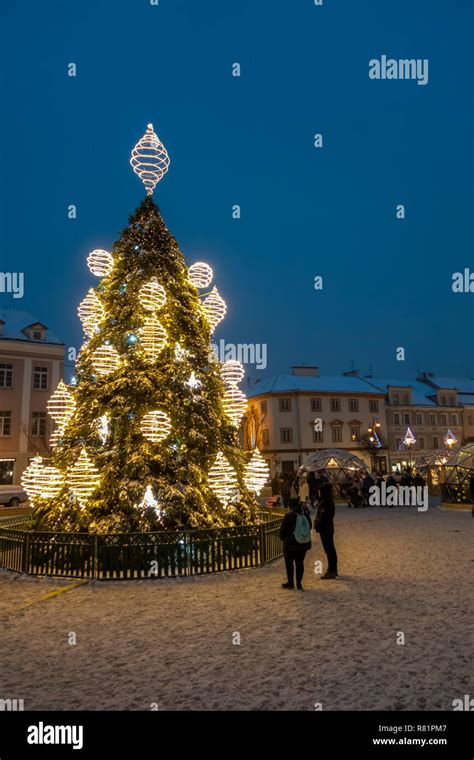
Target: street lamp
409, 441
374, 440
450, 439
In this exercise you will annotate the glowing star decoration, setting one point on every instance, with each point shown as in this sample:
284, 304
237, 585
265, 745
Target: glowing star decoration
256, 473
180, 353
83, 478
91, 313
450, 439
103, 426
232, 372
150, 159
194, 383
222, 479
105, 360
100, 262
214, 308
149, 501
376, 440
200, 274
153, 337
152, 295
155, 426
409, 438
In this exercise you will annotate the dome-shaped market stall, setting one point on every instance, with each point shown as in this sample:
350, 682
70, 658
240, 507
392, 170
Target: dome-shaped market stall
431, 467
340, 467
458, 486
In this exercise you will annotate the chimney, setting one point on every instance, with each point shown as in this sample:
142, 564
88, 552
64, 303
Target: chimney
301, 369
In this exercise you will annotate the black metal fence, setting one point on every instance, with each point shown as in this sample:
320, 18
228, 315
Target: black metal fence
138, 555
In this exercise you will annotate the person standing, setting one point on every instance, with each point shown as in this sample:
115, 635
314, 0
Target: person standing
295, 532
324, 525
313, 487
285, 489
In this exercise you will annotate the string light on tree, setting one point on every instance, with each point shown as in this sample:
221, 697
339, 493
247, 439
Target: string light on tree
100, 262
153, 337
91, 313
152, 295
150, 502
194, 383
180, 353
256, 472
61, 407
30, 479
200, 274
214, 308
150, 159
222, 479
155, 426
105, 359
103, 426
235, 404
83, 478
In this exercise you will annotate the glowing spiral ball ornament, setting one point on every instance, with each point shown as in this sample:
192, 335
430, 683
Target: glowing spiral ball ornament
235, 404
232, 372
155, 426
214, 308
100, 262
153, 337
49, 481
152, 295
91, 313
83, 478
105, 360
200, 274
256, 473
150, 160
222, 479
30, 478
61, 405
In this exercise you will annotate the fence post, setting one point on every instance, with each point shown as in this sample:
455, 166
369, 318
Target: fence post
26, 551
95, 573
263, 544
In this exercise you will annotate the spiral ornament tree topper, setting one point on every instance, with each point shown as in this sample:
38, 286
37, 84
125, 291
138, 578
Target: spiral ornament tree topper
150, 159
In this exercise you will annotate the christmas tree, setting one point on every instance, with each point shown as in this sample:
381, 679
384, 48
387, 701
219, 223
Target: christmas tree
146, 438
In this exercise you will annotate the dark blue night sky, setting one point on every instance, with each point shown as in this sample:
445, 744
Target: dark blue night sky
249, 141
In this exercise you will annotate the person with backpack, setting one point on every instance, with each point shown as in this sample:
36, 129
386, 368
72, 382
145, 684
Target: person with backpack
324, 525
295, 532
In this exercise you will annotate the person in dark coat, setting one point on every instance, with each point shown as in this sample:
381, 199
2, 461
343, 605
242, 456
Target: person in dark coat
294, 552
275, 486
312, 487
324, 525
285, 490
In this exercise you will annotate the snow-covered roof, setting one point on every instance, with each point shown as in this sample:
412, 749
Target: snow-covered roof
309, 383
463, 384
420, 391
16, 321
466, 399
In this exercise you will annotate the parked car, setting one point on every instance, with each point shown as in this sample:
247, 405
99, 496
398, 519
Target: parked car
12, 496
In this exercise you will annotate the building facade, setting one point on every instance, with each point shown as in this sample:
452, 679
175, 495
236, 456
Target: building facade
367, 416
31, 366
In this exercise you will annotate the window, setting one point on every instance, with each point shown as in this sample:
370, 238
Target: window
286, 435
37, 334
422, 442
335, 405
263, 407
318, 436
355, 433
435, 442
419, 419
40, 379
398, 443
373, 405
337, 434
443, 419
406, 419
6, 471
5, 423
285, 404
454, 419
38, 426
6, 375
315, 404
353, 405
406, 398
265, 437
432, 419
395, 399
451, 401
443, 400
396, 418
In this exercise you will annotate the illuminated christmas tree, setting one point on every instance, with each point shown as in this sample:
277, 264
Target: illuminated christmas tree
146, 437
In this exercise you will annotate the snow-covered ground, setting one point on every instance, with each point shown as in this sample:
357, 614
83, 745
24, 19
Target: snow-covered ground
172, 642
